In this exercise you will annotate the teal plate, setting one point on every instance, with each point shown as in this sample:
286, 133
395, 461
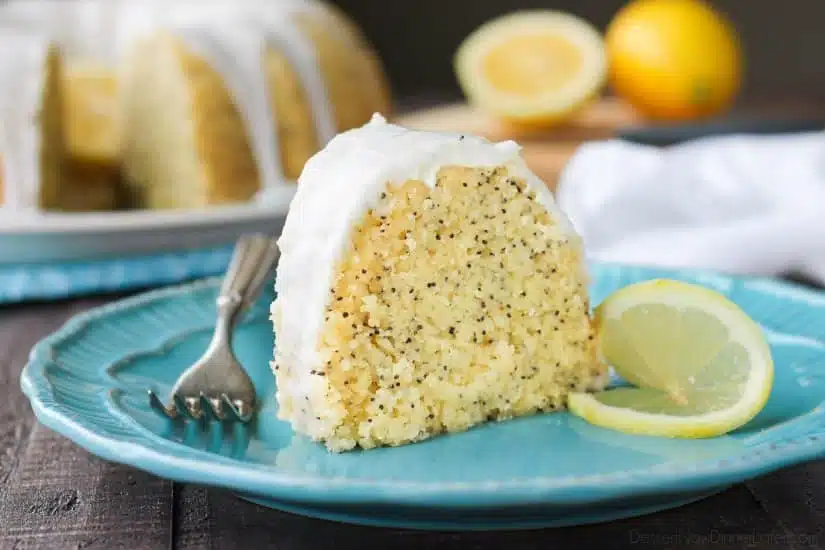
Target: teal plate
88, 381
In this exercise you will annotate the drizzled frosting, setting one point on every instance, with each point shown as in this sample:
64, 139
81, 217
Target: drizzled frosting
301, 53
335, 190
236, 51
232, 36
236, 54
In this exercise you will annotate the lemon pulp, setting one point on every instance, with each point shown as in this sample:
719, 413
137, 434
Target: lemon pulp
700, 366
532, 67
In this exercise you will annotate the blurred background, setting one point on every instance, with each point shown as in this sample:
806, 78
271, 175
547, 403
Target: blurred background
595, 91
781, 40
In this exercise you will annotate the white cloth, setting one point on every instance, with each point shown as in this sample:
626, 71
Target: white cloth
738, 204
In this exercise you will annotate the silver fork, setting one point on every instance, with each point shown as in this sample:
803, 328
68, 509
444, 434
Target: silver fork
217, 384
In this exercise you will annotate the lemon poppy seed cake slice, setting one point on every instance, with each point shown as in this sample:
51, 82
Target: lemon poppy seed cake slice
427, 283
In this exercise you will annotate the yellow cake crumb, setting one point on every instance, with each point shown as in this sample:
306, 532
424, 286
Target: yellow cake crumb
453, 306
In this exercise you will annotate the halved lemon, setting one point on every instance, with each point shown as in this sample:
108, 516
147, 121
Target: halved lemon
532, 67
699, 365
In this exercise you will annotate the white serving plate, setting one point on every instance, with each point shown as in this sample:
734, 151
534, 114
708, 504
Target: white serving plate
51, 237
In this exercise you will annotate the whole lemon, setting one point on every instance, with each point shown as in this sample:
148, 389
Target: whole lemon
674, 59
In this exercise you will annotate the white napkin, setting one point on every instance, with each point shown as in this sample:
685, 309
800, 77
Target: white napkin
738, 204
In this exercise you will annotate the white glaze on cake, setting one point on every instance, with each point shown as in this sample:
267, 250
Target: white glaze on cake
22, 72
284, 35
237, 54
337, 187
236, 51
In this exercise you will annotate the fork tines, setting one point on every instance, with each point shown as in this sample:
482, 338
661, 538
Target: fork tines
202, 408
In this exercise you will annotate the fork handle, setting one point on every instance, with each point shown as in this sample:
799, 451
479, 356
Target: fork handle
268, 260
252, 261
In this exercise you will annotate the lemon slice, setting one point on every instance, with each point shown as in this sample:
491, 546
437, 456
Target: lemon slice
532, 67
700, 366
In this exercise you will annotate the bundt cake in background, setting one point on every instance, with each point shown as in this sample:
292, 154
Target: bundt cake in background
189, 104
217, 107
427, 283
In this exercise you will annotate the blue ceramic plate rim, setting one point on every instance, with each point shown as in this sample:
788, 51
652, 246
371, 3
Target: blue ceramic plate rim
178, 462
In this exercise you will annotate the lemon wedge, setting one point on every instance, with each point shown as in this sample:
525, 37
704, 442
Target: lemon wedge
532, 67
700, 366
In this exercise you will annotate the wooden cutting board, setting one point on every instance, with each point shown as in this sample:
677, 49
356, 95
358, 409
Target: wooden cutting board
545, 151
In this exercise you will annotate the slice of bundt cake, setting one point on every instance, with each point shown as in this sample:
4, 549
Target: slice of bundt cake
427, 283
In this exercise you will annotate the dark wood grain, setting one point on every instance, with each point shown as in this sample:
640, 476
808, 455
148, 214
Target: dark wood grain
732, 519
20, 328
796, 498
60, 497
54, 495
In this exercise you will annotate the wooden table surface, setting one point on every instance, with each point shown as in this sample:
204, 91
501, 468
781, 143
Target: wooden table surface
54, 495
